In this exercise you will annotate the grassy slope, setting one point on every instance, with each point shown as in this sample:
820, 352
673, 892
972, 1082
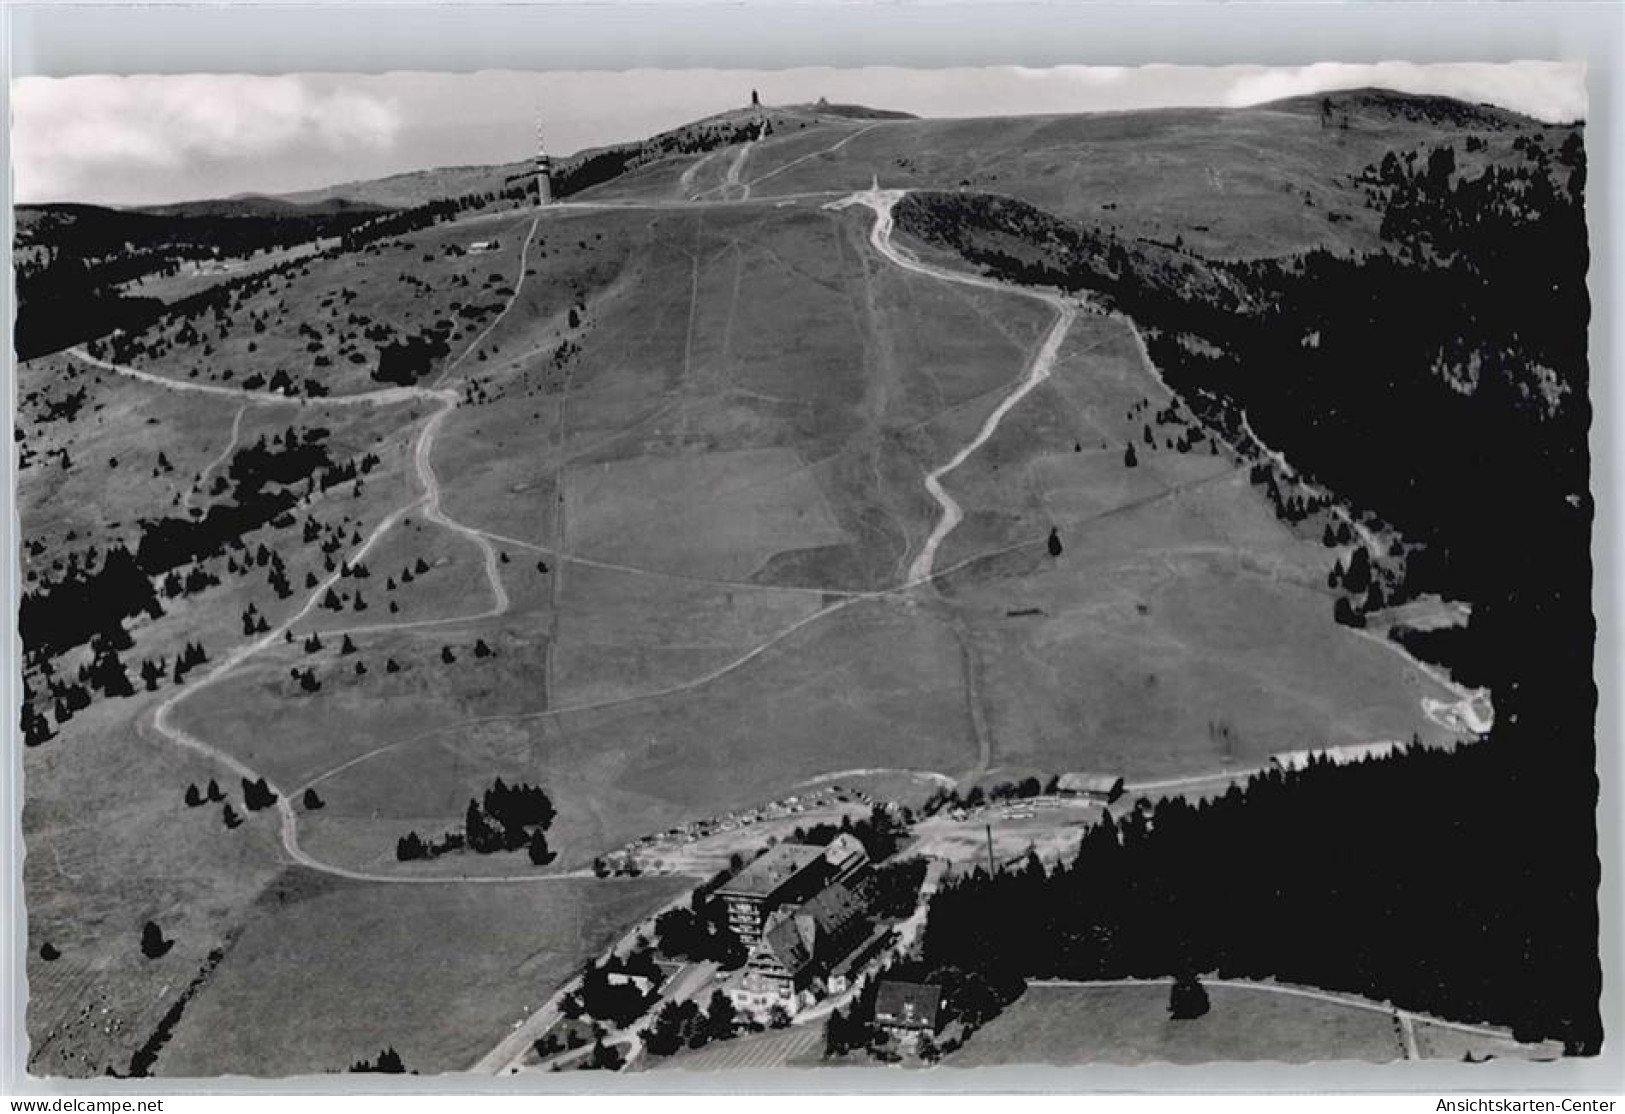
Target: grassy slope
726, 344
406, 284
369, 983
420, 186
110, 842
1179, 604
110, 845
1227, 182
415, 187
1130, 1025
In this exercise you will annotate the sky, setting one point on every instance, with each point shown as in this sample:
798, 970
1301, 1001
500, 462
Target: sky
133, 140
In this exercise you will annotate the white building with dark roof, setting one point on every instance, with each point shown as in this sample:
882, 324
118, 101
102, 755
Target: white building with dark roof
801, 910
800, 946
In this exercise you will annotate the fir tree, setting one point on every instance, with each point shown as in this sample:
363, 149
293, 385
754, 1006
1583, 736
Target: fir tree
153, 944
1187, 999
540, 853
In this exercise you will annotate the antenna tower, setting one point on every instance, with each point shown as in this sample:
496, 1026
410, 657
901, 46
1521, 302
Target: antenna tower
544, 169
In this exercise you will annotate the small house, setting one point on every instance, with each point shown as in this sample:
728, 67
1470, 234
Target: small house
908, 1010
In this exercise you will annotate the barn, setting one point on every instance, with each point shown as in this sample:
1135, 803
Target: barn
1095, 787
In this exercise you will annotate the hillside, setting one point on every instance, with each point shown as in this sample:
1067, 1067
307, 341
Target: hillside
592, 165
228, 226
822, 108
258, 205
1372, 105
1109, 444
83, 270
1469, 315
416, 187
1228, 182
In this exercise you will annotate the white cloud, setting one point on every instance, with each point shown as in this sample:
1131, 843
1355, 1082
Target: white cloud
1550, 91
68, 132
1076, 75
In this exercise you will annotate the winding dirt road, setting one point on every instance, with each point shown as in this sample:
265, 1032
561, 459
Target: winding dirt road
429, 501
1038, 371
386, 396
225, 454
1043, 362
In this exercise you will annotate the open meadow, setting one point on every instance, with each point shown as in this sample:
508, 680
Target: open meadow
439, 972
1064, 1025
640, 520
1129, 1023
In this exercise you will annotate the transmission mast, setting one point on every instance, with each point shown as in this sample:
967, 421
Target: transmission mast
544, 169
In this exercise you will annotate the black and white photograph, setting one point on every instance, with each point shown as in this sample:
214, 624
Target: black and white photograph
672, 572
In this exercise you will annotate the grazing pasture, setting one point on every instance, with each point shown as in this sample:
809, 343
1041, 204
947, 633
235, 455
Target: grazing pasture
112, 845
696, 437
1066, 1026
720, 515
324, 320
1226, 182
621, 635
1173, 637
440, 971
869, 679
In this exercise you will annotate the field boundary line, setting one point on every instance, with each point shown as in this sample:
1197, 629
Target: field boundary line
1353, 1001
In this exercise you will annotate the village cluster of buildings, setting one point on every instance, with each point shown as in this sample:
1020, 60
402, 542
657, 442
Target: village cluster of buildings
803, 914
